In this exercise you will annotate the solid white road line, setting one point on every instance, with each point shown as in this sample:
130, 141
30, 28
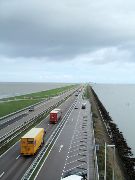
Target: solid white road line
54, 143
2, 174
18, 157
70, 143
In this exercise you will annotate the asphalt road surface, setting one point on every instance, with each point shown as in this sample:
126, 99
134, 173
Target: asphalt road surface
12, 165
73, 148
19, 118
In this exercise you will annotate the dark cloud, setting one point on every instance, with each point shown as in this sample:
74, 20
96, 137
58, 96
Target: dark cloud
65, 29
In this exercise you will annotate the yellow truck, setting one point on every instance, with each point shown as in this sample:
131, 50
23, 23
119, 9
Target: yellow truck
32, 140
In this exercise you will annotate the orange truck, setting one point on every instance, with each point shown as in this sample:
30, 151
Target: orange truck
55, 115
32, 140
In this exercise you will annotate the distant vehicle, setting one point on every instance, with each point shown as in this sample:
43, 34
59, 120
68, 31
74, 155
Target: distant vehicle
84, 106
32, 140
31, 108
76, 93
55, 115
76, 107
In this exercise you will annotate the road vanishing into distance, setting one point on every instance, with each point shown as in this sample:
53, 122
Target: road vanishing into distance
70, 150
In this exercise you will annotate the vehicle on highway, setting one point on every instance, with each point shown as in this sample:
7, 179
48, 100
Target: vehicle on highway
31, 108
55, 115
84, 106
73, 177
76, 94
76, 107
32, 140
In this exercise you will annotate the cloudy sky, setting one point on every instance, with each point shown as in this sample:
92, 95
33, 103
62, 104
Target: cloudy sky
67, 41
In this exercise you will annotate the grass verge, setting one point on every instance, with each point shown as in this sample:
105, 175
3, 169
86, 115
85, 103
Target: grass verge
42, 94
17, 138
13, 104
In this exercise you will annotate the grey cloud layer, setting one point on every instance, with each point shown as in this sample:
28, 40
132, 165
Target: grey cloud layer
36, 28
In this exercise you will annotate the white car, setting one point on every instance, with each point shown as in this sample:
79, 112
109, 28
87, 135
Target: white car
73, 177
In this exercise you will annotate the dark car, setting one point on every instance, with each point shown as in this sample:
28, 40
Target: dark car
84, 106
31, 108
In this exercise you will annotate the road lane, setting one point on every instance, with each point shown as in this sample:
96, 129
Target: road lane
73, 149
29, 115
53, 167
17, 165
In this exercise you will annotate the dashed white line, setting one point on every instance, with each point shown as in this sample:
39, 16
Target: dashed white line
75, 160
54, 142
75, 142
75, 146
61, 146
70, 144
74, 150
2, 174
74, 167
18, 157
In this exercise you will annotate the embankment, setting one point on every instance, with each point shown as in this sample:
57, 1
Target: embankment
107, 131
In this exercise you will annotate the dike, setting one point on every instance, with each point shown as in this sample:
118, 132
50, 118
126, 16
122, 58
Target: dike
124, 152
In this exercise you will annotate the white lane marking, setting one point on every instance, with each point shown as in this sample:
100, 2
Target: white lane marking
18, 157
72, 119
75, 146
78, 154
2, 174
54, 143
61, 146
74, 150
19, 140
74, 168
75, 161
9, 149
71, 143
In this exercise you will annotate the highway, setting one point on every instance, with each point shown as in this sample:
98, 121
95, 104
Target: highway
15, 120
12, 165
73, 148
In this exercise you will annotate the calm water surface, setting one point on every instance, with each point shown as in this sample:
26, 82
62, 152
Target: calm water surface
119, 101
15, 89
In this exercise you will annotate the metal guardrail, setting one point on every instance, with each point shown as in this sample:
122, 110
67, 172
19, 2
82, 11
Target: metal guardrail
96, 172
21, 110
105, 124
19, 129
47, 146
2, 118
